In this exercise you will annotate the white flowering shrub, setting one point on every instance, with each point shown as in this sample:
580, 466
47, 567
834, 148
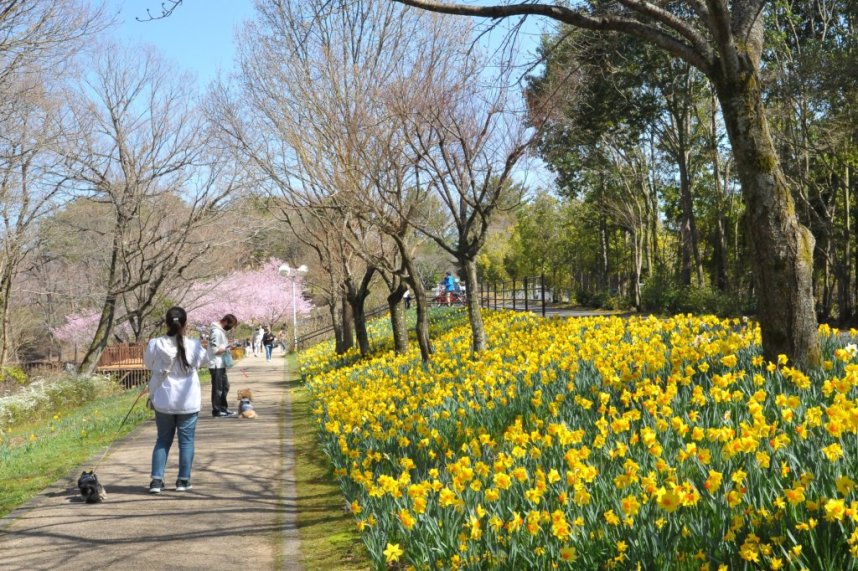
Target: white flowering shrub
43, 398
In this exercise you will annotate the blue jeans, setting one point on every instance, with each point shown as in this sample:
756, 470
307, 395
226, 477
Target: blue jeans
168, 425
268, 349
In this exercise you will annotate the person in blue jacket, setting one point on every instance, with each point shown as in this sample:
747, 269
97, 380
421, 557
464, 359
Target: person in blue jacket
449, 287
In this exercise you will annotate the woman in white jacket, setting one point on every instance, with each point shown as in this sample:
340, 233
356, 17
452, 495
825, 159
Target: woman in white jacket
174, 391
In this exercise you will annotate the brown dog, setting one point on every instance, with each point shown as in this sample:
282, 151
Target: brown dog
245, 408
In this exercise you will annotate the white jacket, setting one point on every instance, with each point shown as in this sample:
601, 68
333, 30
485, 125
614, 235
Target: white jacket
217, 343
172, 389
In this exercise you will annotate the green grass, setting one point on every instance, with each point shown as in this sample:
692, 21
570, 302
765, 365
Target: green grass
329, 538
34, 455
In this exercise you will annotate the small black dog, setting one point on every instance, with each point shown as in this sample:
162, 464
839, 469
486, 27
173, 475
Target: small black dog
90, 488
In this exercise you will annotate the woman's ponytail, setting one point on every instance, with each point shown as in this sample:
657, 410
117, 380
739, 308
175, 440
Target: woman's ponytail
176, 319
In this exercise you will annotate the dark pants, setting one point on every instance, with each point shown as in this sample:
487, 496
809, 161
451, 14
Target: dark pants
220, 388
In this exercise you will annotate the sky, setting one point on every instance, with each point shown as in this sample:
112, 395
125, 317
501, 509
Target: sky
198, 36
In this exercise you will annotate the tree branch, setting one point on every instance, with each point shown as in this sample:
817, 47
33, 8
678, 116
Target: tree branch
672, 21
719, 24
611, 23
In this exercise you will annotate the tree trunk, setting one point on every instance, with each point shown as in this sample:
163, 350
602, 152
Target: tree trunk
603, 252
359, 317
102, 336
5, 292
397, 320
637, 247
421, 328
336, 308
656, 254
348, 325
844, 291
690, 250
825, 306
356, 295
781, 248
721, 279
108, 310
478, 331
841, 273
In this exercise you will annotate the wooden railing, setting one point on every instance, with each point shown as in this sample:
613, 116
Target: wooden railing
128, 355
317, 336
124, 364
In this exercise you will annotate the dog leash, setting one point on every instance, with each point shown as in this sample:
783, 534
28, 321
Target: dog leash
121, 424
143, 392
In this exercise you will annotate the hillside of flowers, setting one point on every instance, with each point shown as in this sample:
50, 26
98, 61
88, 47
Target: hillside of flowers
597, 443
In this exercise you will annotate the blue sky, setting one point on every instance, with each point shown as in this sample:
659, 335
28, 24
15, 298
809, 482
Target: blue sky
199, 36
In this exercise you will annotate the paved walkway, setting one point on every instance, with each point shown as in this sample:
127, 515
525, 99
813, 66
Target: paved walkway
240, 513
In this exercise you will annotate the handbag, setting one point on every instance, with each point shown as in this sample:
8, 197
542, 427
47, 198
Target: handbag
227, 359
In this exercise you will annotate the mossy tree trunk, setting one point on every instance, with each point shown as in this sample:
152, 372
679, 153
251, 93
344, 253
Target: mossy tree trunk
781, 248
348, 335
397, 319
475, 316
414, 279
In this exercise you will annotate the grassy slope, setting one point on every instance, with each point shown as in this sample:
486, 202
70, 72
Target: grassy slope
35, 455
329, 540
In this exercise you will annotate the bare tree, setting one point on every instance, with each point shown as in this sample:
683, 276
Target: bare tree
316, 83
29, 189
138, 150
38, 38
467, 139
725, 41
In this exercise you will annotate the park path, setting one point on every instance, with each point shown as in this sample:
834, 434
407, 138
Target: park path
240, 513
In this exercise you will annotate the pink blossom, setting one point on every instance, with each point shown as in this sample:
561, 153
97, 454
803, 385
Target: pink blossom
261, 295
79, 328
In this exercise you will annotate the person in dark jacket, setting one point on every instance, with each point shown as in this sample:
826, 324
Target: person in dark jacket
268, 340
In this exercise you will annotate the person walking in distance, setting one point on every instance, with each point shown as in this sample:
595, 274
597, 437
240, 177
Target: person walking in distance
218, 345
268, 340
257, 340
449, 288
174, 394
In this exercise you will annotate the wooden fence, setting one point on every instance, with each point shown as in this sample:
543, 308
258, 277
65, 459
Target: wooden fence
126, 355
326, 332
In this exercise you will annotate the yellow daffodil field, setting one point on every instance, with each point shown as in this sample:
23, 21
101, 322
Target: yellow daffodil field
597, 443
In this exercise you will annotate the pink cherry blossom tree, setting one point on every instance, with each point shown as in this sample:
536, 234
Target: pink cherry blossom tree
261, 295
78, 329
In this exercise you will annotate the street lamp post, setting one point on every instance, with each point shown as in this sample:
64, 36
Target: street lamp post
290, 272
